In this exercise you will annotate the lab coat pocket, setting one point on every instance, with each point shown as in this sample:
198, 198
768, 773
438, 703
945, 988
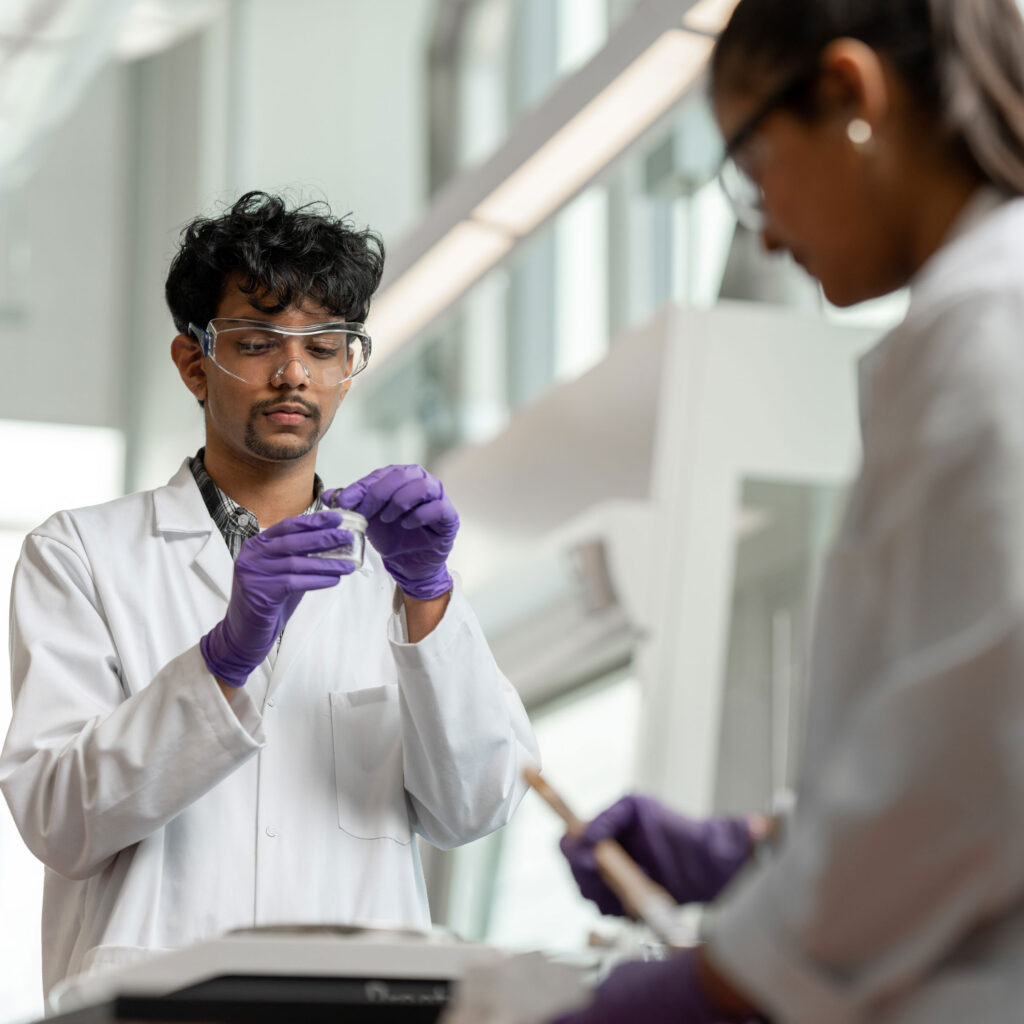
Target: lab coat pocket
368, 763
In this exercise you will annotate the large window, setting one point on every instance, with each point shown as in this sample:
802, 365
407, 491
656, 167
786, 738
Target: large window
784, 527
514, 888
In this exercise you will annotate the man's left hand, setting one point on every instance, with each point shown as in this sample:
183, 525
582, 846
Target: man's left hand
411, 522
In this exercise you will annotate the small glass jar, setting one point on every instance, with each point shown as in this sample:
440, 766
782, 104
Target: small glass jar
356, 525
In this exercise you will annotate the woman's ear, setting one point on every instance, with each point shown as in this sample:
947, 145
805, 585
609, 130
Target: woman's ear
854, 83
188, 357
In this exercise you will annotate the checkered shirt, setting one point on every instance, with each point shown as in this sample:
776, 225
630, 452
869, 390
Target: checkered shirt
236, 523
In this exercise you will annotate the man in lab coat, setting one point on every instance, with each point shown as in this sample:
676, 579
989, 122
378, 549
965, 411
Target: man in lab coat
213, 727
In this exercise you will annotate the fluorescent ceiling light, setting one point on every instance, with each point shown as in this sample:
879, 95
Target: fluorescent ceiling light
710, 16
433, 282
599, 132
647, 66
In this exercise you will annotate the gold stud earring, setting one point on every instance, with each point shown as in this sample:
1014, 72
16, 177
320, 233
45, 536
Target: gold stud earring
859, 132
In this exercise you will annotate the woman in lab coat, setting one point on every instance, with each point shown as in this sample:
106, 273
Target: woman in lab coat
881, 144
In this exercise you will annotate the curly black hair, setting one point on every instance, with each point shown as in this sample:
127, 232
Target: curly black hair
282, 256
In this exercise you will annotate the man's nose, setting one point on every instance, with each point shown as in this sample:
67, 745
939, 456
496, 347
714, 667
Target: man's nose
292, 374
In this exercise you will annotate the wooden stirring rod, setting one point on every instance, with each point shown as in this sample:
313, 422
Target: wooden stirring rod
642, 897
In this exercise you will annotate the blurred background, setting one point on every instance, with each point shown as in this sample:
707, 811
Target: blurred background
646, 424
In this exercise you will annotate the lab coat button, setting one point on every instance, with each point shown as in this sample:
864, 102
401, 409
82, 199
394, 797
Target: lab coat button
270, 703
272, 832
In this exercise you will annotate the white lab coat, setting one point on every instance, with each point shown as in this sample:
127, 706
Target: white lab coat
164, 814
897, 896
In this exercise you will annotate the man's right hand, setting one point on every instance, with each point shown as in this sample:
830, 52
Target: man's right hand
272, 572
693, 860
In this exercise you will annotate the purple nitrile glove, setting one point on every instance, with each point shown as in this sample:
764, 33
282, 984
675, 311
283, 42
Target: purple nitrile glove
272, 572
411, 522
693, 860
655, 992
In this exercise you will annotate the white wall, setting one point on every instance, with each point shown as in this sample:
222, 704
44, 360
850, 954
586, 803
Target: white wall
62, 357
332, 98
170, 159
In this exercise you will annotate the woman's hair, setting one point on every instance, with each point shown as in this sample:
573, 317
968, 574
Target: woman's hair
281, 256
962, 61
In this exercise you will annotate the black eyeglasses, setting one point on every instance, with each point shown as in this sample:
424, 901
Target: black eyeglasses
744, 194
784, 94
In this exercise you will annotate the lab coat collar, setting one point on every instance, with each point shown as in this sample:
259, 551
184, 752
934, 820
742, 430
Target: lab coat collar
985, 201
930, 277
178, 508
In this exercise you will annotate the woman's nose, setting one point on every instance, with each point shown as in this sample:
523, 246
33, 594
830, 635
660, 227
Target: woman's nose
770, 240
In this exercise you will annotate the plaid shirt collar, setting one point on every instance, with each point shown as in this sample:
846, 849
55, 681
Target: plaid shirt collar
235, 523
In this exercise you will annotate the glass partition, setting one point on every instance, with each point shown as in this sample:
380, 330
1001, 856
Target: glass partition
783, 529
514, 889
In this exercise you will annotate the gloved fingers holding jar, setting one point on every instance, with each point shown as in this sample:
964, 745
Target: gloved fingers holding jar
411, 522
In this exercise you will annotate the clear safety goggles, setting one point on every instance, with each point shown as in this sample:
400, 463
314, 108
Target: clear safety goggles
257, 352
